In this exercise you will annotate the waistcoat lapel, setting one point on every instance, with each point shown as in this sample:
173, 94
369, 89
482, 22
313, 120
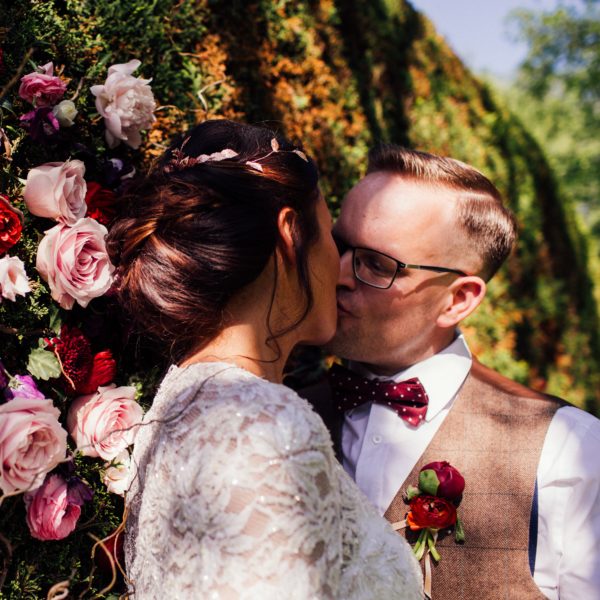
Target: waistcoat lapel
493, 435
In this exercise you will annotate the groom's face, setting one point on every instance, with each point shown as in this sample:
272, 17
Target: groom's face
389, 329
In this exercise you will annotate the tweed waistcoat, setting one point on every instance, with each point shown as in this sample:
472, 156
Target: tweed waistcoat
493, 435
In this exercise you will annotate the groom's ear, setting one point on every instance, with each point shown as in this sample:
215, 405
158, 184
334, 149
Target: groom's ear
462, 298
286, 223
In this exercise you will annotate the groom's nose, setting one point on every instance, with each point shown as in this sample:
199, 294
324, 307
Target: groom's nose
346, 278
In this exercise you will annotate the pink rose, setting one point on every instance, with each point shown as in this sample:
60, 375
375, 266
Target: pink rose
104, 423
74, 262
41, 87
32, 442
126, 103
57, 191
13, 279
54, 508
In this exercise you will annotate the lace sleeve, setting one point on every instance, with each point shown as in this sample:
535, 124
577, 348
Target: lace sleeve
254, 504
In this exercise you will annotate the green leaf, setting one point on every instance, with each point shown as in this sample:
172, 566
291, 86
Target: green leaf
459, 532
55, 319
43, 364
429, 482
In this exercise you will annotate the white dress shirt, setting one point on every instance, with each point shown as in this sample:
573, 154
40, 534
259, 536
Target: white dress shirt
380, 450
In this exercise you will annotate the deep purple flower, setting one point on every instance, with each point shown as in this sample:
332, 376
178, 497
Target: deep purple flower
22, 386
79, 492
41, 124
116, 171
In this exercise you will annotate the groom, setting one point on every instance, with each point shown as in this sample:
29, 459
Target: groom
419, 237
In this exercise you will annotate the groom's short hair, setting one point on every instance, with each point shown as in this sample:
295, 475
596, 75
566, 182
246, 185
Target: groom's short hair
490, 227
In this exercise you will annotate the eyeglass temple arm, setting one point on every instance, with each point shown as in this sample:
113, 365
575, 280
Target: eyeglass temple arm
436, 269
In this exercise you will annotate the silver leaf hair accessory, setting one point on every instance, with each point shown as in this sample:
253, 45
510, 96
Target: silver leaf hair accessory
255, 164
179, 160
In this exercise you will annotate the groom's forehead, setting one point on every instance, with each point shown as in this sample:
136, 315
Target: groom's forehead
387, 211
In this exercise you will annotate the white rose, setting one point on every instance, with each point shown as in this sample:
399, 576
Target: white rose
65, 112
13, 279
126, 103
116, 474
57, 191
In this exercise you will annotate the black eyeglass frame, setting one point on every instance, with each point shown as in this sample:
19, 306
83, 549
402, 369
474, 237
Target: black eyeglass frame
343, 248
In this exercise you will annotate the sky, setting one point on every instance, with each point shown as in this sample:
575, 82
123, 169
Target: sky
477, 32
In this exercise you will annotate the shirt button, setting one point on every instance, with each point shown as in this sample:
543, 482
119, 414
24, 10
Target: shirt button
376, 439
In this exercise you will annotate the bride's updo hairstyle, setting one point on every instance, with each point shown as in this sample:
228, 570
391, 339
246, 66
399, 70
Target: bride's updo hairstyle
203, 224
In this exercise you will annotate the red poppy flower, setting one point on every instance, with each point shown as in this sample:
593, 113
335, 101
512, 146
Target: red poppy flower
102, 372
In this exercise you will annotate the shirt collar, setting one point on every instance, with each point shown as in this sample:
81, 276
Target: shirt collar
442, 375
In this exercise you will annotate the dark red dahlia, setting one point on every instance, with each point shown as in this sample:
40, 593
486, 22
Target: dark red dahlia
75, 353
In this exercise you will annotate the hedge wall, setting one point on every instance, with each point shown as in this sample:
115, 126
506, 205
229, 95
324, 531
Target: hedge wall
338, 74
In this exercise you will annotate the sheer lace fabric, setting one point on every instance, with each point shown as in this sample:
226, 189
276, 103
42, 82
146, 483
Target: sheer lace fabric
238, 495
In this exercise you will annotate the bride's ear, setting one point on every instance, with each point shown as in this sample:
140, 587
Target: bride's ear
286, 223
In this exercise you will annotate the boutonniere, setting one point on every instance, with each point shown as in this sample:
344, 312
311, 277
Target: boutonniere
433, 506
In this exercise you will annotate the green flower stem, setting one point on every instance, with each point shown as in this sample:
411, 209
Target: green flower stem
419, 547
432, 548
459, 532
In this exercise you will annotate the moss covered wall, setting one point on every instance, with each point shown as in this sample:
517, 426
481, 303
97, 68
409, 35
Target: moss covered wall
340, 74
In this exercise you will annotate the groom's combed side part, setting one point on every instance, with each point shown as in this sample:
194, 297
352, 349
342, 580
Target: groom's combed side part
489, 227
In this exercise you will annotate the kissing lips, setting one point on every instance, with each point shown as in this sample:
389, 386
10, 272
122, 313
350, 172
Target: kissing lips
342, 310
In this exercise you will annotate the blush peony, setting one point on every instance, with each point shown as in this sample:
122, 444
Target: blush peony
57, 191
42, 87
32, 442
74, 262
126, 103
105, 423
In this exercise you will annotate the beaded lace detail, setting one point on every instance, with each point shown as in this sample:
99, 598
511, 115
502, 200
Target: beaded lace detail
238, 495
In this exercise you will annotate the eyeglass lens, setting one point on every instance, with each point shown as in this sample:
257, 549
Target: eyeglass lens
374, 268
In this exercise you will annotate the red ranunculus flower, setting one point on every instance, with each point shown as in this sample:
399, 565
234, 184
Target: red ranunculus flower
10, 225
100, 203
432, 512
75, 353
102, 373
441, 479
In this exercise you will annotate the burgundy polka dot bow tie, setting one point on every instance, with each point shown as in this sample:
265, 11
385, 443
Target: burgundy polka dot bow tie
408, 398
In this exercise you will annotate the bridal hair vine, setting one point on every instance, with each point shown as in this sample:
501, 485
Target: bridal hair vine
180, 161
255, 164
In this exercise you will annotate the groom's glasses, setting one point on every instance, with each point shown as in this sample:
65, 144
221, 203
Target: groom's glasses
378, 269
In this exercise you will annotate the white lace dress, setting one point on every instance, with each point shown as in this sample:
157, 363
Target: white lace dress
238, 495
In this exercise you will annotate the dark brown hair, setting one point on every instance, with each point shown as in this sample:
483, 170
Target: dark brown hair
489, 225
194, 232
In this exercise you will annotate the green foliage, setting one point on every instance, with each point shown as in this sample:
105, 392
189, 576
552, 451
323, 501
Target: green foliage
558, 94
43, 364
338, 75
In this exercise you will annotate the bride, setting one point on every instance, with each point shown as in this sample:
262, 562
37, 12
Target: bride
226, 259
